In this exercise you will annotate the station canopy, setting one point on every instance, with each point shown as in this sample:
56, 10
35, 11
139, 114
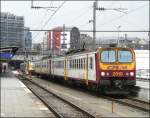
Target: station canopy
6, 53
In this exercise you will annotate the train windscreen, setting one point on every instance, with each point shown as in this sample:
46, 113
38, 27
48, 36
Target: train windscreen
112, 56
108, 56
124, 56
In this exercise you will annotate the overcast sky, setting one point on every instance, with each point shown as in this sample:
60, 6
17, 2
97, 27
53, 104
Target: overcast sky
78, 13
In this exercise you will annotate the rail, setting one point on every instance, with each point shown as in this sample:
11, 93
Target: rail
35, 87
132, 102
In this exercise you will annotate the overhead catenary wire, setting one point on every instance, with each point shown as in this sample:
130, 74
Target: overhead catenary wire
75, 19
119, 17
58, 8
92, 30
101, 25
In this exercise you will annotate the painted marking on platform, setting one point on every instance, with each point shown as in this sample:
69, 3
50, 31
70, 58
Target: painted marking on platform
2, 114
22, 85
27, 90
44, 108
41, 106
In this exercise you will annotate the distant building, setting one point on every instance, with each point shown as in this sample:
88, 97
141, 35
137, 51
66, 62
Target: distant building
12, 30
132, 42
60, 40
74, 38
86, 41
37, 47
27, 43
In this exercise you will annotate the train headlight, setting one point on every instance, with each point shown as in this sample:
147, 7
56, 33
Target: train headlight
127, 74
131, 73
102, 73
107, 74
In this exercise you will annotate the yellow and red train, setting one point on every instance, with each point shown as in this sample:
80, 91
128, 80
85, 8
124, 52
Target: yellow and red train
112, 70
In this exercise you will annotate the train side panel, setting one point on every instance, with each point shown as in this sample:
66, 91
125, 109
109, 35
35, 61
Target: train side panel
57, 66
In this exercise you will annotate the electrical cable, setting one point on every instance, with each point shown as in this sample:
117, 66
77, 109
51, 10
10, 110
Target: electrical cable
117, 18
50, 18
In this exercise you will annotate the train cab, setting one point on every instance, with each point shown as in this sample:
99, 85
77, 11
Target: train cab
117, 67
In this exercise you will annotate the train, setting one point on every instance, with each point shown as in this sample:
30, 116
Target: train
27, 67
111, 70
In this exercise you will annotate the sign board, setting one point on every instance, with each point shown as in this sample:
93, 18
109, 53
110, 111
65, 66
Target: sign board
6, 55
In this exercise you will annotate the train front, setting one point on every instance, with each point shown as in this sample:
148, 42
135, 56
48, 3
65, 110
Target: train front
117, 69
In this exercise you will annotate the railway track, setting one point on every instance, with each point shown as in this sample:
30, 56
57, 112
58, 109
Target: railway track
59, 106
133, 102
130, 101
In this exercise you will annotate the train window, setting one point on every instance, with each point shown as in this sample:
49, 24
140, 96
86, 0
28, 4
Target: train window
91, 63
124, 56
108, 56
62, 64
81, 63
78, 63
84, 63
70, 63
75, 63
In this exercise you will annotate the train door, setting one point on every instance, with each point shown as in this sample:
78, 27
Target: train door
91, 68
65, 68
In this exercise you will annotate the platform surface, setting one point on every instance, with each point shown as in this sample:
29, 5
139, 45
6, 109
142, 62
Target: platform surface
18, 101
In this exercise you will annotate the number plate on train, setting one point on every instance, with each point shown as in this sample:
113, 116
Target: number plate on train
116, 74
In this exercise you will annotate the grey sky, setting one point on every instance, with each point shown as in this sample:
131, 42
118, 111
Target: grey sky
78, 13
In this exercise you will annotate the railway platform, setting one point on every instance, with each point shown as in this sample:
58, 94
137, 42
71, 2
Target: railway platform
18, 101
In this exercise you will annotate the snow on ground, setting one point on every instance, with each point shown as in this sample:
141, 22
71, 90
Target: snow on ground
143, 84
142, 63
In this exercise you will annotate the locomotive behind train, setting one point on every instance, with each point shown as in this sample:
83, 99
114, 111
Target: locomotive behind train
111, 70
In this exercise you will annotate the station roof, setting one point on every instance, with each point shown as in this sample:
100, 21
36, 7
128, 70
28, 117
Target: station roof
6, 53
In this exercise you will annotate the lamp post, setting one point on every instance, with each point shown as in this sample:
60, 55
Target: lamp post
118, 28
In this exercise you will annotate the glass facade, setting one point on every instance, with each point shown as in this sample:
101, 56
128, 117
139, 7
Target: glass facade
11, 30
27, 39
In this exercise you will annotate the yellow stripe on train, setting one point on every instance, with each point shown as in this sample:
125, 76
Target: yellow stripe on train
130, 66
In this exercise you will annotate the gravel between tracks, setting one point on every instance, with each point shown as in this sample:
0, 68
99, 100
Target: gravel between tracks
96, 105
63, 108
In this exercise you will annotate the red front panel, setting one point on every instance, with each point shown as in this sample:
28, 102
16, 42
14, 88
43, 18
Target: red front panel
118, 74
97, 67
56, 39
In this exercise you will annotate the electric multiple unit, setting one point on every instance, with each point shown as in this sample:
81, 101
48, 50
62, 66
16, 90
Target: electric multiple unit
108, 69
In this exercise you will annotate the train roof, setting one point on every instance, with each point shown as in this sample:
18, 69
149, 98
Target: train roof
81, 51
